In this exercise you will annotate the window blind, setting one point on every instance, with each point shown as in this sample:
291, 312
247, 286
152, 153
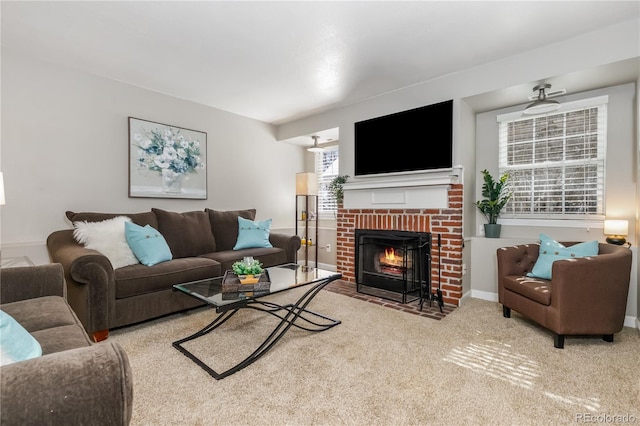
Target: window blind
556, 162
326, 168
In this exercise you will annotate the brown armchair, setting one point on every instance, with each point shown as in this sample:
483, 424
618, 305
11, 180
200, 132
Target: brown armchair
585, 296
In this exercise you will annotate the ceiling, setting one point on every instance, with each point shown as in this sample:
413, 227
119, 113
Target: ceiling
280, 61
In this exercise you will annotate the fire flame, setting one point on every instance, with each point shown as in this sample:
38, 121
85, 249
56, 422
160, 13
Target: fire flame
390, 254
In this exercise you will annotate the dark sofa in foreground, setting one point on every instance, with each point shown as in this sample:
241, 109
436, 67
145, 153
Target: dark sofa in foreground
74, 382
202, 246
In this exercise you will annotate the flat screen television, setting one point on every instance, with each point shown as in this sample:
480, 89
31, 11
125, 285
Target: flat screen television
408, 141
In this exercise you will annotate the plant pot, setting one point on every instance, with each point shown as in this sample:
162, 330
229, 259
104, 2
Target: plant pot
492, 230
249, 279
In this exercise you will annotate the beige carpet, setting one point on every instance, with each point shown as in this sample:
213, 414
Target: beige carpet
382, 367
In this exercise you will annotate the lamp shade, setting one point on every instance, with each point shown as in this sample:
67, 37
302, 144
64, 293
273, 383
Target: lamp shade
616, 227
542, 107
2, 201
306, 184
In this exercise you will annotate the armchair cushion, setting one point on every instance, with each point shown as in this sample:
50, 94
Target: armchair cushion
532, 288
16, 344
551, 250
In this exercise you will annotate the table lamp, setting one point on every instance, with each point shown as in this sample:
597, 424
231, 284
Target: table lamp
616, 230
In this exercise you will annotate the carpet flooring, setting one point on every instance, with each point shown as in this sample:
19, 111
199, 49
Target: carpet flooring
381, 366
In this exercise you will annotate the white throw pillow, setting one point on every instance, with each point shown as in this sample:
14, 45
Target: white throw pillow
108, 238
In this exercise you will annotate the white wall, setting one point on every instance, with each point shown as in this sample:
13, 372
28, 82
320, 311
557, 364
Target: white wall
605, 46
65, 147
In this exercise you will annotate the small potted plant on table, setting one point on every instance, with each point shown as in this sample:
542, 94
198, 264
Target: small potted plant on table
496, 193
248, 270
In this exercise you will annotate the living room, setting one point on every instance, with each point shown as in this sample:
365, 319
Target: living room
65, 138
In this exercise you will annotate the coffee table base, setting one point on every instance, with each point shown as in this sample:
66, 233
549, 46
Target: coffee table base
296, 315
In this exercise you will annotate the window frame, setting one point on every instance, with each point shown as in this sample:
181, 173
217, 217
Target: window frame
323, 193
594, 220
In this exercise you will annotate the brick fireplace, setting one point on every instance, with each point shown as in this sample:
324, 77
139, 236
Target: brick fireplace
442, 215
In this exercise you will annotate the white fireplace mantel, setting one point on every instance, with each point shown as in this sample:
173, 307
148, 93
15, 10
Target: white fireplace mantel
415, 191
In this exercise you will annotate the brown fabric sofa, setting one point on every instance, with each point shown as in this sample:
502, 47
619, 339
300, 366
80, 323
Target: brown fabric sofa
585, 296
74, 382
202, 246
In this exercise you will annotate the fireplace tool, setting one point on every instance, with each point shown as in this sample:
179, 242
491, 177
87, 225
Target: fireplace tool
427, 286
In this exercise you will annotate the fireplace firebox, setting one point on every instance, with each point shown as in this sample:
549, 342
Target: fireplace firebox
394, 265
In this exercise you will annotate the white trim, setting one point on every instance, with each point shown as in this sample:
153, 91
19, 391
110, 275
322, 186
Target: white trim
555, 223
429, 178
484, 295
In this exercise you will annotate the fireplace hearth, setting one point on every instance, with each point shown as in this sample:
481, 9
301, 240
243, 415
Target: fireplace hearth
393, 264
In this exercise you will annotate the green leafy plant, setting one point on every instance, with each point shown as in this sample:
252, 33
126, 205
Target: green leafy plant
336, 187
248, 268
496, 194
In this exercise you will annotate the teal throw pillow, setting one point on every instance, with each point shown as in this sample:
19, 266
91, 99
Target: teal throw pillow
147, 244
551, 250
252, 233
16, 344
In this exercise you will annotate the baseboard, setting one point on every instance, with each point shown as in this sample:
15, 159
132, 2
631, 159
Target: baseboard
484, 295
325, 266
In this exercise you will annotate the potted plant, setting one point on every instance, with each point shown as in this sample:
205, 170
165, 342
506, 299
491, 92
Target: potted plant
248, 270
497, 194
336, 187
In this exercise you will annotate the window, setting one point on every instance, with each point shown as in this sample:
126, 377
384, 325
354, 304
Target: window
556, 162
326, 168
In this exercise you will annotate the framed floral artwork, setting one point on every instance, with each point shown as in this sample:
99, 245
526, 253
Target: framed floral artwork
166, 161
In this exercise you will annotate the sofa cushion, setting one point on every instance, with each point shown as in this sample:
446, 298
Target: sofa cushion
188, 234
551, 250
142, 219
147, 244
16, 344
224, 225
253, 234
107, 237
56, 331
139, 279
267, 256
63, 338
28, 313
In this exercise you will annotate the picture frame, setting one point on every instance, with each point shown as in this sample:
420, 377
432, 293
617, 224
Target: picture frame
166, 161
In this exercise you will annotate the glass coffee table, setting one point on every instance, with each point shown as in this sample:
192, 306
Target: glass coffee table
278, 279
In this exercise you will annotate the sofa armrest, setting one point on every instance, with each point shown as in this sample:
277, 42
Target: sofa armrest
29, 282
290, 243
90, 280
90, 385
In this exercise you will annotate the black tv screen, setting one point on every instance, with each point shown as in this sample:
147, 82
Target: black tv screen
407, 141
